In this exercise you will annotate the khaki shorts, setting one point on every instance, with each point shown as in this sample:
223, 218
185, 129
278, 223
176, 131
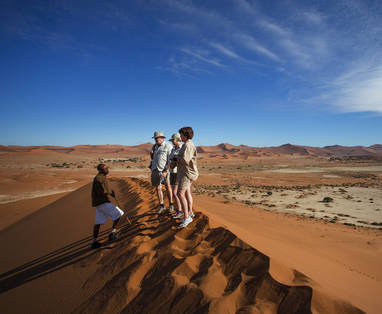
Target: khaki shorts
183, 182
156, 178
173, 179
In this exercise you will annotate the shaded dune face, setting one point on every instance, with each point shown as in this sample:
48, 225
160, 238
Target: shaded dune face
155, 267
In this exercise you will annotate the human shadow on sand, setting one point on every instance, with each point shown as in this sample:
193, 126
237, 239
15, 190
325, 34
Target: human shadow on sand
61, 258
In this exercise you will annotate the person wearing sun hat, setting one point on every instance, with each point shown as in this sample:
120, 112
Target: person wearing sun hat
177, 145
160, 155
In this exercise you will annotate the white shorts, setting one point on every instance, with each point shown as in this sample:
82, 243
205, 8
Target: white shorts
107, 210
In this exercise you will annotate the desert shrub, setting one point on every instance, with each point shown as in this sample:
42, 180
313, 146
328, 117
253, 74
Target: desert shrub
55, 165
376, 223
327, 199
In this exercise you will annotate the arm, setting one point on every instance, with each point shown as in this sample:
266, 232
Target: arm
185, 158
103, 188
152, 152
167, 167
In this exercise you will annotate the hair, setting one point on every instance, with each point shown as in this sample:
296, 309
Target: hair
187, 131
100, 166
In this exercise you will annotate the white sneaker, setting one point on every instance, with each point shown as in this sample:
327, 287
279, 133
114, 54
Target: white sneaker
185, 222
178, 215
171, 209
192, 215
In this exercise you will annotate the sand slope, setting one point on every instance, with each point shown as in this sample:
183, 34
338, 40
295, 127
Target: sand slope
46, 264
342, 264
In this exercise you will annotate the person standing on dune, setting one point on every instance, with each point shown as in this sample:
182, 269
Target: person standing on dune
160, 170
187, 173
104, 208
177, 143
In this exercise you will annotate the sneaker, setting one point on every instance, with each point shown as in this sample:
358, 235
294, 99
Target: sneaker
161, 209
113, 236
192, 215
178, 215
171, 208
186, 222
95, 245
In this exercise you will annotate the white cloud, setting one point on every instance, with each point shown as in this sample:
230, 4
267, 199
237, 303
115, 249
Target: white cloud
252, 44
230, 53
294, 49
203, 56
273, 27
225, 50
210, 18
359, 90
311, 47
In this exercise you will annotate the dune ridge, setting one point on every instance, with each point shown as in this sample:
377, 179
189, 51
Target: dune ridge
153, 268
157, 268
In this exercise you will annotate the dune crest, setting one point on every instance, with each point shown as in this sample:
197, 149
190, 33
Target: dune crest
157, 268
154, 267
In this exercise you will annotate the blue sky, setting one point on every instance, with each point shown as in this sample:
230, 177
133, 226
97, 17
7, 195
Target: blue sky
261, 73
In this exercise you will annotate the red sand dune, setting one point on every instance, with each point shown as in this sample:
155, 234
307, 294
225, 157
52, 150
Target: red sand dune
154, 267
221, 149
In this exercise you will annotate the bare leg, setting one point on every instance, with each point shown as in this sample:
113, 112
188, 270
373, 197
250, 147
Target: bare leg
183, 201
169, 192
189, 200
159, 193
96, 232
175, 194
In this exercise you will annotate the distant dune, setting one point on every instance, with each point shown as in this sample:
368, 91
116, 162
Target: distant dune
223, 149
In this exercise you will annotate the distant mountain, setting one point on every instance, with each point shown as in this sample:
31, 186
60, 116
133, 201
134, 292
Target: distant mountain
223, 149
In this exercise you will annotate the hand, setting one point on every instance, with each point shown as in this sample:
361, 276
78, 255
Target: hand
164, 174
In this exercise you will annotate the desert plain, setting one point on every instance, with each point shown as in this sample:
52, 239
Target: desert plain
288, 229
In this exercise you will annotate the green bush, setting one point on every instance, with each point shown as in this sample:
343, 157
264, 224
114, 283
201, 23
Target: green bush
327, 199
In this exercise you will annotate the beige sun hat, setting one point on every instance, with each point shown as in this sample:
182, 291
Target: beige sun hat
175, 137
158, 134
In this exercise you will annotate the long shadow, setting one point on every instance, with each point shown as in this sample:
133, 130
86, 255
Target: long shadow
54, 261
78, 250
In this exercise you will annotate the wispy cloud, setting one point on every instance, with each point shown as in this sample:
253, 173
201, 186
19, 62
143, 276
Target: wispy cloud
252, 44
203, 55
225, 51
207, 17
357, 90
228, 29
231, 54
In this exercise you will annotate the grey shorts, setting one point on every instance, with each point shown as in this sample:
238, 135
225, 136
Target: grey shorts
173, 179
156, 178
